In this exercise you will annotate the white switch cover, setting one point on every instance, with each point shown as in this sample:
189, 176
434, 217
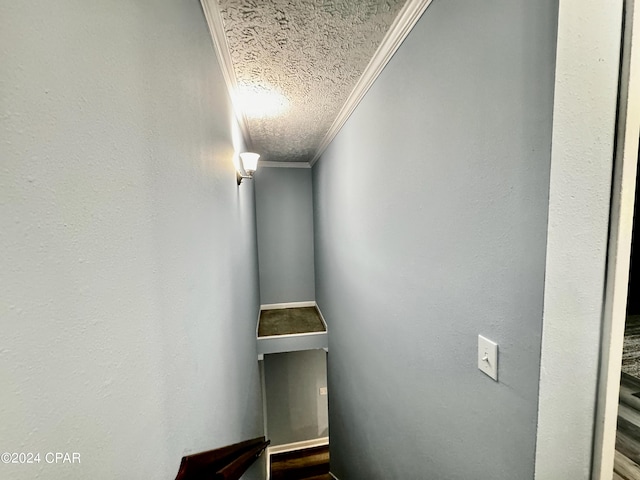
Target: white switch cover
488, 357
323, 390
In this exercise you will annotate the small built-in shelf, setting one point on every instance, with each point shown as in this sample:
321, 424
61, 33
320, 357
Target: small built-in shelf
291, 329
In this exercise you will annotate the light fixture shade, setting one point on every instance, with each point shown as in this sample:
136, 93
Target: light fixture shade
250, 161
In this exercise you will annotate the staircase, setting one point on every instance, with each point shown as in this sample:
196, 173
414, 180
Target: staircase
627, 455
291, 329
307, 464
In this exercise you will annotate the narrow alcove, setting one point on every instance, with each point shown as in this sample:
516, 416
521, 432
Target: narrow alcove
291, 332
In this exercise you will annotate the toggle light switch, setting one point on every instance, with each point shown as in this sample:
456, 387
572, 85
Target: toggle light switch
488, 357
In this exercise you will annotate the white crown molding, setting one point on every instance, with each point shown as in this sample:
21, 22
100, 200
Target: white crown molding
400, 28
270, 164
216, 27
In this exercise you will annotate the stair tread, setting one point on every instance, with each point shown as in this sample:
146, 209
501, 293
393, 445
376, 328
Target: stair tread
628, 387
625, 467
315, 459
288, 321
306, 464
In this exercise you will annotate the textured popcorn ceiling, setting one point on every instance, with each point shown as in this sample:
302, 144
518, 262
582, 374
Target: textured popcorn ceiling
296, 62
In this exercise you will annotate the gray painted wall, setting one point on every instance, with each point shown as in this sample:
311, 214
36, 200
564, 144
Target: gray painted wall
295, 409
129, 266
430, 224
285, 234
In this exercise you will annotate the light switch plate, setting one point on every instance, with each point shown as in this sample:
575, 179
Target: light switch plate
488, 357
323, 390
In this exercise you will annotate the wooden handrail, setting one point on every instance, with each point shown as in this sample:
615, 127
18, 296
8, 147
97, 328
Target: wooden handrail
225, 463
236, 468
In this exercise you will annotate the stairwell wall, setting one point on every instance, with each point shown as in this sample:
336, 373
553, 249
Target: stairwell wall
285, 234
430, 212
129, 260
296, 411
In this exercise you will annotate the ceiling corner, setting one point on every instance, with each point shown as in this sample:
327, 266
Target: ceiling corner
400, 28
216, 27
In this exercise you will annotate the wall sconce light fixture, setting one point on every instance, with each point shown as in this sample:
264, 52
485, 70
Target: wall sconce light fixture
248, 164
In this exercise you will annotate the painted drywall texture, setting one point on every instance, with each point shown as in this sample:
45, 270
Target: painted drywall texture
295, 409
284, 211
129, 259
586, 90
430, 223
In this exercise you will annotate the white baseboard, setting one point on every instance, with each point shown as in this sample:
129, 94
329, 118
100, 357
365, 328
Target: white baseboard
322, 317
277, 306
291, 447
294, 335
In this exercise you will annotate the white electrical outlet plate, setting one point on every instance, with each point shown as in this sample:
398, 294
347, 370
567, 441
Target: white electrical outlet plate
488, 357
323, 390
